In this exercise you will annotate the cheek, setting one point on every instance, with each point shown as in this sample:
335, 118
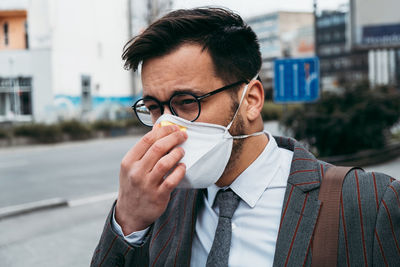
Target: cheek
216, 112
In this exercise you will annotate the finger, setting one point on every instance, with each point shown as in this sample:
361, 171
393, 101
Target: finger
137, 151
172, 180
165, 165
161, 147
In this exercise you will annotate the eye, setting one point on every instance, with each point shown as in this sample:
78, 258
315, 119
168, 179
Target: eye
187, 101
152, 107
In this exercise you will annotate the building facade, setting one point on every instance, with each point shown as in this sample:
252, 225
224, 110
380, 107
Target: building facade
282, 34
375, 29
339, 64
62, 59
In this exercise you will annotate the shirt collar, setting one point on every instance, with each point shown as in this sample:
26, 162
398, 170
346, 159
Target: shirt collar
250, 185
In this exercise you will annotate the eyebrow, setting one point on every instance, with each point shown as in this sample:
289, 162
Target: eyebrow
194, 91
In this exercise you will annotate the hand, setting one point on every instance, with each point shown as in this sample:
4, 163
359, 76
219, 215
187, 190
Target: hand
143, 192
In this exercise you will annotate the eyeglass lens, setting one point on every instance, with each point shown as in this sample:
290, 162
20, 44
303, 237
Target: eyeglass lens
185, 106
147, 111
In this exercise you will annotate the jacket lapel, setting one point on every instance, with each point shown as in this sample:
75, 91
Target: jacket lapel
300, 208
185, 215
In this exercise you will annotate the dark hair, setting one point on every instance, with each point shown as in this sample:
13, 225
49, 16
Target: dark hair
232, 44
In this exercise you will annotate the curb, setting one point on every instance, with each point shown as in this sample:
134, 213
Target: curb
366, 157
31, 207
52, 203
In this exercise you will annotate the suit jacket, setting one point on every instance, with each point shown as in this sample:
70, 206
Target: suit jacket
369, 230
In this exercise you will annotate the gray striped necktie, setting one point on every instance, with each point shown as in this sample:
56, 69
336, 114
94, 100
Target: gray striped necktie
227, 202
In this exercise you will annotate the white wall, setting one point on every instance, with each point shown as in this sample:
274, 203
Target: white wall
68, 39
88, 37
35, 64
14, 4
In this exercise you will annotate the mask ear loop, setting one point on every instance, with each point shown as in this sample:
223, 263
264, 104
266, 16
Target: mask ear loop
247, 135
240, 103
237, 110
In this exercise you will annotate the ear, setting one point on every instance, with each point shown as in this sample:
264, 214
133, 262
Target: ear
254, 100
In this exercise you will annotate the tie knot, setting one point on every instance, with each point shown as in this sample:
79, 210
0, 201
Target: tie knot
227, 202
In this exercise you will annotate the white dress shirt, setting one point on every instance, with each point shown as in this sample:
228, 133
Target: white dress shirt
255, 223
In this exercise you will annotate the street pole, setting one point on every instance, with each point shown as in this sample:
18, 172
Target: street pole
133, 75
316, 48
315, 7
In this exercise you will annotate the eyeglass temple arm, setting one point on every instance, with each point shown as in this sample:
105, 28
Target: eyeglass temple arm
221, 89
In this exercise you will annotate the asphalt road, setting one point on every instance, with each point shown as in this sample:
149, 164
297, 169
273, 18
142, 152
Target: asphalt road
62, 237
69, 170
85, 172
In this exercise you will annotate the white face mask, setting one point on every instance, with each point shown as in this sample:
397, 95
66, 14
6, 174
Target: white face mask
207, 149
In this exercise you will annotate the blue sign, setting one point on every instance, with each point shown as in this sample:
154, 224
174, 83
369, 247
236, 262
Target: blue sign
296, 80
381, 35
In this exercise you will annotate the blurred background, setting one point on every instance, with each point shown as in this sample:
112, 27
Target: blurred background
331, 73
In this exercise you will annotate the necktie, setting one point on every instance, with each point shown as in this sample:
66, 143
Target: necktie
219, 253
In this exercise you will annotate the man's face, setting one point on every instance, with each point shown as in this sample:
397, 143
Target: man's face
188, 69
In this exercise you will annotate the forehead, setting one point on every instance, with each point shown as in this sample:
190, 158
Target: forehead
187, 68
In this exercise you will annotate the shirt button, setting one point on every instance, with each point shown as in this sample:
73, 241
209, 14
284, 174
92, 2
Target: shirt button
234, 226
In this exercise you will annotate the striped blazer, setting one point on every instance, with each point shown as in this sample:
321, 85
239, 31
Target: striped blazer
369, 230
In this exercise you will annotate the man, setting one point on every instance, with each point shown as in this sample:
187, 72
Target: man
186, 57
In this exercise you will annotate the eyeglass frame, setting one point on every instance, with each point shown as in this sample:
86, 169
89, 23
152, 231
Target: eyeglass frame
198, 98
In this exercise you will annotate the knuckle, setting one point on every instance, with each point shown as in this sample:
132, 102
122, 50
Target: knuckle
169, 129
161, 131
148, 138
134, 178
181, 136
177, 154
169, 184
158, 148
162, 165
124, 164
180, 151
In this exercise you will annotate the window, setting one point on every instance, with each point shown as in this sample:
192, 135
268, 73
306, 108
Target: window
26, 35
5, 29
16, 96
86, 93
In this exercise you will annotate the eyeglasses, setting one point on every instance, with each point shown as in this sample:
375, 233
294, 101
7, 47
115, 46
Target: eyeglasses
181, 104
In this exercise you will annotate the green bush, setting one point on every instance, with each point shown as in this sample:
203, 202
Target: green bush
133, 122
396, 136
343, 123
75, 130
40, 132
4, 134
107, 125
272, 111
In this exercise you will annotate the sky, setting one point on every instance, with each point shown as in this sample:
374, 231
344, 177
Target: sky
248, 8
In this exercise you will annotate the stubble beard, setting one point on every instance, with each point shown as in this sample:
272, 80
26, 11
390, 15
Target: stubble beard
236, 129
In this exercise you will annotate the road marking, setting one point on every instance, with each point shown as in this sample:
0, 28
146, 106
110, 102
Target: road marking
93, 199
13, 164
281, 76
296, 79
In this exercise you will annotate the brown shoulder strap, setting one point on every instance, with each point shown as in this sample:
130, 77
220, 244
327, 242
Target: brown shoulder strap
325, 243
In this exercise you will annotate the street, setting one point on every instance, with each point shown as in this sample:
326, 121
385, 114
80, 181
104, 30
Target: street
68, 170
86, 174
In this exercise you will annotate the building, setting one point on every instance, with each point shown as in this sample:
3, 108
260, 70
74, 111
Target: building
375, 29
282, 34
62, 59
339, 64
